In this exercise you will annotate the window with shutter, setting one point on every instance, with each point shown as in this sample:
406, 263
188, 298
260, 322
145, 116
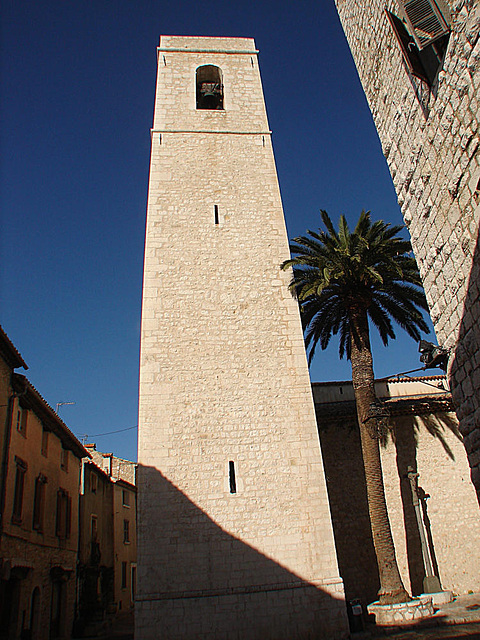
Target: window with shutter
409, 50
424, 20
423, 63
21, 470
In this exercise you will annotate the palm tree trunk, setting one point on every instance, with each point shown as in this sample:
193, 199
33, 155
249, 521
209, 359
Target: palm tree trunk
391, 585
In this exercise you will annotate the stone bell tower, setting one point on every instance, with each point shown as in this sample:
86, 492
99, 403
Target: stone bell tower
235, 537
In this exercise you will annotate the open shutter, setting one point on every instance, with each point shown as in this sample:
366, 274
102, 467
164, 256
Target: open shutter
408, 47
425, 21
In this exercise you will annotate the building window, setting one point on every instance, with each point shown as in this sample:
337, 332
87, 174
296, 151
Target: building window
64, 459
209, 87
39, 502
124, 575
425, 21
93, 482
231, 477
20, 471
422, 42
64, 514
45, 443
125, 498
22, 421
126, 532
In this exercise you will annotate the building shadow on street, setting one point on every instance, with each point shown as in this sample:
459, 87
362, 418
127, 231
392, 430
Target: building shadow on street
196, 580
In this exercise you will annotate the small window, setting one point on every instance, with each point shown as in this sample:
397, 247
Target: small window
39, 502
126, 532
125, 498
45, 443
209, 88
231, 477
64, 459
93, 482
22, 421
124, 575
20, 471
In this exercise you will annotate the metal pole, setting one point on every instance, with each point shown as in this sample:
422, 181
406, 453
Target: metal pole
431, 583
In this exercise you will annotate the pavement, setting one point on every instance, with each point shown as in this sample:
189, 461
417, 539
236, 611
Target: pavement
457, 620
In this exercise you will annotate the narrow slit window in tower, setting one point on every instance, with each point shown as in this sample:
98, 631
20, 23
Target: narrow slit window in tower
231, 476
216, 214
209, 87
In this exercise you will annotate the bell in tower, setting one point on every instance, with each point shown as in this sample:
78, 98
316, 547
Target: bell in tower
209, 87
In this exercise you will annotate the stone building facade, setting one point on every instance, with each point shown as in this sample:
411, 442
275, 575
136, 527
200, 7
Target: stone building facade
39, 518
10, 359
235, 536
108, 530
423, 436
422, 80
95, 569
125, 544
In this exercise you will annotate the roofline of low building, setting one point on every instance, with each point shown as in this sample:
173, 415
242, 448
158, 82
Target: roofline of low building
398, 406
122, 482
388, 379
9, 352
31, 399
92, 463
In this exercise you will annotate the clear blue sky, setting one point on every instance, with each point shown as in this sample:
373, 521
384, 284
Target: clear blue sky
78, 82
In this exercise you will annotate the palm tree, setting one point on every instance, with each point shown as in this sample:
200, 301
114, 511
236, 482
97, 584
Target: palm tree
342, 280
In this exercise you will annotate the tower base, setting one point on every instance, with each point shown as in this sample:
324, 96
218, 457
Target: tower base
299, 611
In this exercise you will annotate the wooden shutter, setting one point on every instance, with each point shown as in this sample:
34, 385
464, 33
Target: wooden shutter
425, 21
408, 47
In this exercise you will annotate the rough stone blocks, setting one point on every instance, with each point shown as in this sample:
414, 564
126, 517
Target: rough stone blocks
234, 524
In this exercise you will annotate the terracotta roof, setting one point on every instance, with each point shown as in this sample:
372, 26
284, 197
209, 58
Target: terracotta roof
125, 483
9, 352
406, 405
388, 379
31, 399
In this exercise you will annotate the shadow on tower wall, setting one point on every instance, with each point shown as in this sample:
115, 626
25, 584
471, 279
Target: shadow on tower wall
464, 370
195, 580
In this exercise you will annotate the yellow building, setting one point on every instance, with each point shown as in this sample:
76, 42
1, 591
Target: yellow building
39, 512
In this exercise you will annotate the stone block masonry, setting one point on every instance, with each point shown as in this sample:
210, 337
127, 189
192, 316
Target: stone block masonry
430, 137
235, 537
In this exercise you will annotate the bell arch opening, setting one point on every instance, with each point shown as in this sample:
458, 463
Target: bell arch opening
209, 87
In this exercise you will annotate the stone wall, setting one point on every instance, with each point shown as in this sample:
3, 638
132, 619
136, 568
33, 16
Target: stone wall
423, 436
224, 384
430, 139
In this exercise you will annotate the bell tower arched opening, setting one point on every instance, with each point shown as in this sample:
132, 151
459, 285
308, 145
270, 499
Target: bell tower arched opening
209, 87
